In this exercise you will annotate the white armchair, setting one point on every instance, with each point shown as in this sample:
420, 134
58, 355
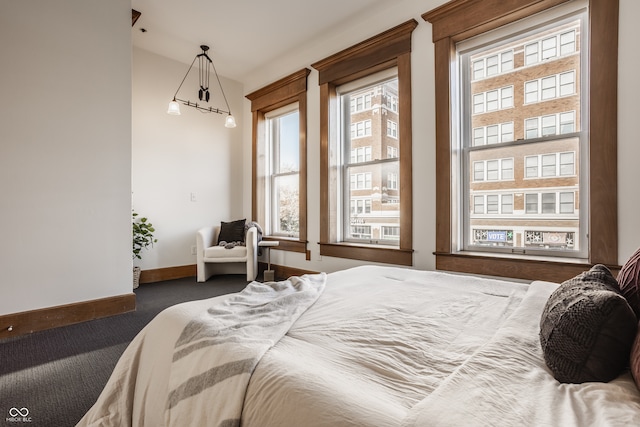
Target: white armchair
213, 259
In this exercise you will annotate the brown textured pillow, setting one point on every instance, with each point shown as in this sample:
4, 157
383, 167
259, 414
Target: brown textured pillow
587, 328
629, 280
232, 231
634, 363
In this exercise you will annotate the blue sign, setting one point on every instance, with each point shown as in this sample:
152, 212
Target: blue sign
496, 236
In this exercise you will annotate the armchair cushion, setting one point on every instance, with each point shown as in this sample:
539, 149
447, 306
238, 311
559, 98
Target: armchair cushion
232, 231
222, 252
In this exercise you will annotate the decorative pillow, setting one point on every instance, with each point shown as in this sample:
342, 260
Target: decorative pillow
634, 363
629, 280
587, 328
232, 231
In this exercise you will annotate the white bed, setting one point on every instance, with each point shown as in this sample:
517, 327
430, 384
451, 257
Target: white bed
370, 347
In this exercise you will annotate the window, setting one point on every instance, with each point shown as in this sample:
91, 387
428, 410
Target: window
478, 171
541, 155
361, 154
392, 129
381, 66
283, 168
493, 100
550, 87
278, 201
507, 204
375, 178
548, 48
550, 165
552, 124
390, 233
492, 204
493, 134
361, 102
459, 21
361, 129
493, 65
392, 181
567, 203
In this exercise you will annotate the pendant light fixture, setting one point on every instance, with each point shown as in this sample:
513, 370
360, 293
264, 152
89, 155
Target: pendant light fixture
205, 65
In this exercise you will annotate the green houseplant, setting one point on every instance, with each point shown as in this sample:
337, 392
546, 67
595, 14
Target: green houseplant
143, 238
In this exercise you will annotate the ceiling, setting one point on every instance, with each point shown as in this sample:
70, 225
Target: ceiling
243, 34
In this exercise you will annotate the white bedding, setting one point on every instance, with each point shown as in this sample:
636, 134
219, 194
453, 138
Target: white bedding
382, 346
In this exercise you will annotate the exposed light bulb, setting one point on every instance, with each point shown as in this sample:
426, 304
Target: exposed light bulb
174, 108
230, 122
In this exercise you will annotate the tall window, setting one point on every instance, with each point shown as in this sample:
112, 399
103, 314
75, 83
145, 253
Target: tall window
545, 80
366, 201
283, 193
575, 221
279, 196
374, 176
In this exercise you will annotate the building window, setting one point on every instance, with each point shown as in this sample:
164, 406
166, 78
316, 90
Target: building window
392, 129
493, 100
392, 181
361, 181
361, 129
493, 65
341, 75
463, 21
550, 165
390, 233
278, 201
550, 87
361, 102
361, 154
550, 47
360, 206
550, 124
493, 134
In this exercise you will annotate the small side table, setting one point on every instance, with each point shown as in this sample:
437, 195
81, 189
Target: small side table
269, 274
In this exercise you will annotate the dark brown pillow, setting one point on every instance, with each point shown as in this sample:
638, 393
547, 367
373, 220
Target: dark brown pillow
629, 280
232, 231
634, 363
587, 328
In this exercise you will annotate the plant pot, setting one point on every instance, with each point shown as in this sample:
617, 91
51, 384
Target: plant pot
136, 276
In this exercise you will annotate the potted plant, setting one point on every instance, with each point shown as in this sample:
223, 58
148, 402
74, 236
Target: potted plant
142, 239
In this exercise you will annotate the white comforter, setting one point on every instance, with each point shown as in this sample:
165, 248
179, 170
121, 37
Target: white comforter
382, 347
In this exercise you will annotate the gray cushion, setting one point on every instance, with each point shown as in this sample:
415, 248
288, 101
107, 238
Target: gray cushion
587, 328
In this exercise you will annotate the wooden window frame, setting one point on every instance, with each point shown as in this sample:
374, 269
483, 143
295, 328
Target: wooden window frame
389, 49
288, 90
461, 19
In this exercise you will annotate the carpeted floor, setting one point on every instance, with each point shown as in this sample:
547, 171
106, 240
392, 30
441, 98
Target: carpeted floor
58, 374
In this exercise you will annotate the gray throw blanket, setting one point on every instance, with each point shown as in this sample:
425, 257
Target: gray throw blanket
218, 351
247, 226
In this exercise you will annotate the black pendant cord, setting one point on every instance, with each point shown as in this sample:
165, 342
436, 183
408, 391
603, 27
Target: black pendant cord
184, 78
221, 90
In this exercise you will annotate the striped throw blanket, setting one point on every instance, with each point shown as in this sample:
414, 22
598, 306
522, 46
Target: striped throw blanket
218, 350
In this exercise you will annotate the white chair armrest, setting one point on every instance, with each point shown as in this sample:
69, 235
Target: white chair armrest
251, 242
205, 238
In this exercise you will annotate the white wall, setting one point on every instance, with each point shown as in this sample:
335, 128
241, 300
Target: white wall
65, 144
628, 139
175, 156
423, 127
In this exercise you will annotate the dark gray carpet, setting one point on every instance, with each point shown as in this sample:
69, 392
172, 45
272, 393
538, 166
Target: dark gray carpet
58, 374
